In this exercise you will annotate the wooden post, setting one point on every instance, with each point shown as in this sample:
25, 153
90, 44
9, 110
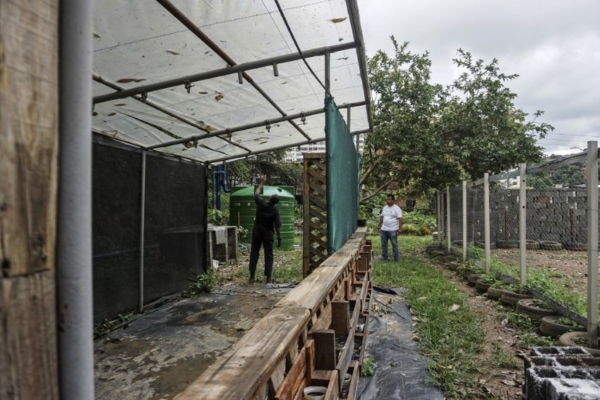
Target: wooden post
340, 318
28, 190
324, 349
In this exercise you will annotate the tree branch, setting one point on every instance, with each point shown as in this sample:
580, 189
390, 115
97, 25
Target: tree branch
377, 191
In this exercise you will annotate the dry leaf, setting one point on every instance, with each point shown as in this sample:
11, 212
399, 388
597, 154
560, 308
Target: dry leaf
508, 382
422, 298
454, 307
338, 20
173, 52
96, 35
128, 80
219, 97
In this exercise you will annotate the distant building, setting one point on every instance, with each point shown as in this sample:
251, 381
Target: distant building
295, 154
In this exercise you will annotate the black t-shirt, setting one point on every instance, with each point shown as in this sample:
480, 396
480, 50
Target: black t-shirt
267, 219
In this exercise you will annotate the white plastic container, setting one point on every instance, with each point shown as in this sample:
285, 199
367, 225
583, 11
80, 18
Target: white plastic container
314, 393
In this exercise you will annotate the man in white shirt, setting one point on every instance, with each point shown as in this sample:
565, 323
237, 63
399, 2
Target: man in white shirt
390, 225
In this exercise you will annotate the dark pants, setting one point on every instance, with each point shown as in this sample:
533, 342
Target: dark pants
257, 241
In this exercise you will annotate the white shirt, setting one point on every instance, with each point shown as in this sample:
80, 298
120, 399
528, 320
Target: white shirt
390, 217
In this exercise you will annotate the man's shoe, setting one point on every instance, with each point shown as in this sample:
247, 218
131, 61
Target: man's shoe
382, 259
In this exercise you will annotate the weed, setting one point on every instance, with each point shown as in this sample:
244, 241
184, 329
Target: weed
368, 367
204, 283
502, 359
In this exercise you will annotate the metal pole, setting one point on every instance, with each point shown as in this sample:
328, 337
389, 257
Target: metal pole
592, 286
352, 6
486, 220
439, 216
442, 221
327, 74
74, 231
523, 221
448, 218
268, 62
464, 220
250, 126
142, 228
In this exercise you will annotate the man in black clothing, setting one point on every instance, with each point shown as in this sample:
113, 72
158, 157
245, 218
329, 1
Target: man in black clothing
267, 220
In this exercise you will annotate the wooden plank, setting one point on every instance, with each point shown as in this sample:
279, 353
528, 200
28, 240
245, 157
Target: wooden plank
346, 355
352, 391
324, 349
310, 359
332, 392
315, 155
324, 320
28, 196
340, 319
252, 360
290, 384
28, 135
305, 226
28, 365
277, 378
311, 292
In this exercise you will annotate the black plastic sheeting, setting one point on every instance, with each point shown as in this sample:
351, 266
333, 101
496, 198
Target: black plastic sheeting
400, 371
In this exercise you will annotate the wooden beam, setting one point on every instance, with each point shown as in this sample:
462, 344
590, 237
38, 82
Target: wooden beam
28, 187
252, 360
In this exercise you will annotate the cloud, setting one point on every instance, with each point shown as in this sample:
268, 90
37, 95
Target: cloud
553, 45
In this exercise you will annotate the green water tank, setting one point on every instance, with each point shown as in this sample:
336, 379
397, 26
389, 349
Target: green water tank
242, 210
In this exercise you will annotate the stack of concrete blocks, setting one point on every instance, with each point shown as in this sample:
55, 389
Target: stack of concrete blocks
561, 373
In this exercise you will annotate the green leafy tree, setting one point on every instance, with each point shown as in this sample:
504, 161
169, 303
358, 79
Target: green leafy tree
428, 136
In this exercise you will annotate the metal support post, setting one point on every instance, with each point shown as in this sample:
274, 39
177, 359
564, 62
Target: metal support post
592, 245
448, 218
327, 73
523, 221
439, 216
74, 231
142, 229
486, 220
464, 220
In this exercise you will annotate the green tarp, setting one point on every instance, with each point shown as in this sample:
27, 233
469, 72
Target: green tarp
342, 179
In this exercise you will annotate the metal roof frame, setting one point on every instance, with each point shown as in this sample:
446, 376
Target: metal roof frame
141, 93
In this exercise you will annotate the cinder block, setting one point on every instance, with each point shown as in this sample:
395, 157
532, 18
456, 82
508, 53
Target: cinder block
565, 373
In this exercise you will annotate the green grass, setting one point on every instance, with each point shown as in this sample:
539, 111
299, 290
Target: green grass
287, 266
545, 281
451, 339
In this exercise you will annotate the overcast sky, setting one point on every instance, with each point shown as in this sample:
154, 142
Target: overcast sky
554, 46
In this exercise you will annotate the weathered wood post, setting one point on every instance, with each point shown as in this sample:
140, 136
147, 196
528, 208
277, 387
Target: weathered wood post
28, 190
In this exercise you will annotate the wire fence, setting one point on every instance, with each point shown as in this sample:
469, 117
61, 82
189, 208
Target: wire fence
538, 221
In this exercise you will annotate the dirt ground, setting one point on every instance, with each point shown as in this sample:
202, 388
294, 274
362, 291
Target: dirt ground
502, 383
569, 268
